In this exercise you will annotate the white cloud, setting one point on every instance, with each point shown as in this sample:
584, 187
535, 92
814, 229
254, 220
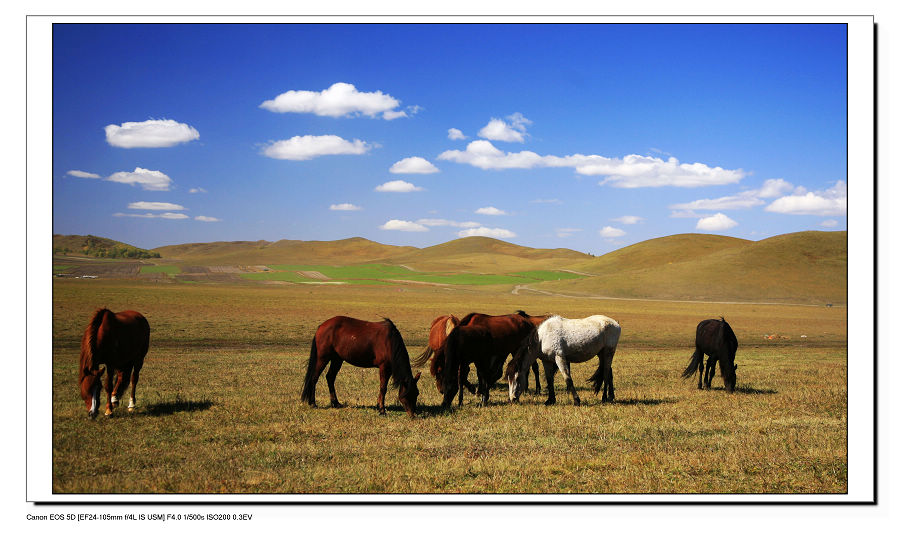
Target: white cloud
155, 206
500, 130
196, 190
832, 201
455, 135
717, 222
402, 225
397, 186
566, 232
169, 216
490, 210
609, 232
743, 200
202, 218
413, 165
150, 134
629, 172
829, 223
628, 219
776, 187
685, 214
149, 180
344, 207
302, 148
82, 174
497, 233
445, 222
339, 100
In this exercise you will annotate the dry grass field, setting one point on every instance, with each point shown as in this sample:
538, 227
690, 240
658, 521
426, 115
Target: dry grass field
219, 410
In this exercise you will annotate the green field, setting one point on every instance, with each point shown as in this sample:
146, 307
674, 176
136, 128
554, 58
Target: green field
219, 411
165, 269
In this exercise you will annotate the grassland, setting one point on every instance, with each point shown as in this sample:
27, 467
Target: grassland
219, 411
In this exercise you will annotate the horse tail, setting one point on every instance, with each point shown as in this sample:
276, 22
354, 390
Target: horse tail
696, 361
422, 358
89, 343
401, 372
529, 343
603, 373
308, 385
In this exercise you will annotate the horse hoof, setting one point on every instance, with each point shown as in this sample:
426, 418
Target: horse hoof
577, 402
108, 413
131, 409
550, 401
336, 405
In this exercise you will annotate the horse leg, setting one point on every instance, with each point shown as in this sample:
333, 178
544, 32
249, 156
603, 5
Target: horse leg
710, 372
384, 372
122, 378
484, 385
609, 392
317, 371
132, 401
537, 378
333, 369
107, 384
549, 372
700, 374
563, 365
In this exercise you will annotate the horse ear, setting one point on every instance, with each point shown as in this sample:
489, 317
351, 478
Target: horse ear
735, 367
418, 375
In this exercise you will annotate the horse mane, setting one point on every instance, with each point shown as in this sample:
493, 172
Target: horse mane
400, 369
522, 313
89, 342
466, 319
528, 344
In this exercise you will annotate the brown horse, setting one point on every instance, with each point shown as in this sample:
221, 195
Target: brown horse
486, 341
440, 329
120, 342
363, 344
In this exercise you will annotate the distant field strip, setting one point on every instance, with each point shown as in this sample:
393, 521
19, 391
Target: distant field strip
165, 269
361, 273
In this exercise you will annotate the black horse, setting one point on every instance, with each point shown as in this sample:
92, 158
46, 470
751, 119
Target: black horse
716, 339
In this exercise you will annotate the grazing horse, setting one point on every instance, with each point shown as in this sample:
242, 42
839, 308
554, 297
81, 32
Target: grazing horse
120, 342
440, 329
363, 344
716, 339
484, 340
559, 341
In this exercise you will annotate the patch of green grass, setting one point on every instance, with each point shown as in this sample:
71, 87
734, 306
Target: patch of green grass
466, 279
165, 269
62, 268
374, 271
546, 275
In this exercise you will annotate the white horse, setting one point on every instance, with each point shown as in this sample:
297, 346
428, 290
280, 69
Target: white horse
559, 341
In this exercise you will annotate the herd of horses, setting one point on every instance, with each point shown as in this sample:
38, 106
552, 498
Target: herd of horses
119, 342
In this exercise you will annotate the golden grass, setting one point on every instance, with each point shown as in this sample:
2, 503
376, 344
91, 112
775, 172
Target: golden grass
219, 411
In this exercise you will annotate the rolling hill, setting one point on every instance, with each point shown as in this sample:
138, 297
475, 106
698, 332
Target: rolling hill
809, 267
93, 246
805, 267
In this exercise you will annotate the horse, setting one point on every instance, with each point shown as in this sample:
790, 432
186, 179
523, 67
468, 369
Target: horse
363, 344
716, 339
559, 341
440, 329
484, 340
120, 342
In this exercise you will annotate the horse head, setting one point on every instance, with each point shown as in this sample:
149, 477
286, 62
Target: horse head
90, 390
408, 394
731, 380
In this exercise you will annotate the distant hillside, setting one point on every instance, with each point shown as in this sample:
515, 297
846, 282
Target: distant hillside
93, 246
809, 266
486, 254
341, 252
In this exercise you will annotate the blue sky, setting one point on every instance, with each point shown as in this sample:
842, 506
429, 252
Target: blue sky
589, 137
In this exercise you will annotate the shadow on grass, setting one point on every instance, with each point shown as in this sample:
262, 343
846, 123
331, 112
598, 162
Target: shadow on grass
178, 405
642, 401
747, 390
